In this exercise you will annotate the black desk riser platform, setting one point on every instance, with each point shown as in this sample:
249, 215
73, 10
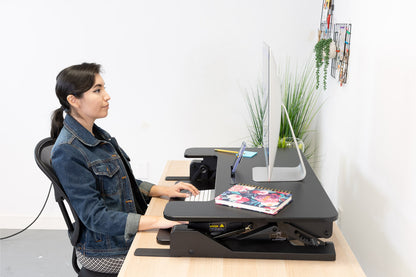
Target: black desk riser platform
309, 217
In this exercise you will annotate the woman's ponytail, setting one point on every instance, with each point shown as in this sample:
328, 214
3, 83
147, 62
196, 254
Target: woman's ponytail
57, 122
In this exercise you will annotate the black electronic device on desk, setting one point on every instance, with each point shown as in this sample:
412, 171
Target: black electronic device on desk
219, 231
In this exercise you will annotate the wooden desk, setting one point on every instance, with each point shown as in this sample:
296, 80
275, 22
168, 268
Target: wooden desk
345, 265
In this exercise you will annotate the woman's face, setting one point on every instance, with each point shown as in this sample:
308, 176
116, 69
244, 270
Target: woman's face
94, 103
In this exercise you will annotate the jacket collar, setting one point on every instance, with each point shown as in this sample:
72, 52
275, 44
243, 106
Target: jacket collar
79, 131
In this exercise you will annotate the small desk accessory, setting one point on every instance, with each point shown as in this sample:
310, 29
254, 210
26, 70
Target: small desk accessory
246, 154
238, 159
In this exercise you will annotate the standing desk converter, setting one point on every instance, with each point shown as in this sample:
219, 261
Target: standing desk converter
294, 233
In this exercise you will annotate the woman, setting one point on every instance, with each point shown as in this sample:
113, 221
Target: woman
96, 175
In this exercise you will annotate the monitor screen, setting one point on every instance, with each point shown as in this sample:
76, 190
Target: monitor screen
271, 127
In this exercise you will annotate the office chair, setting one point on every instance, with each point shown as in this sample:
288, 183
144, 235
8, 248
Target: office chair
43, 160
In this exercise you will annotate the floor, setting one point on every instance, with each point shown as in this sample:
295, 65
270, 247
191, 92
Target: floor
36, 253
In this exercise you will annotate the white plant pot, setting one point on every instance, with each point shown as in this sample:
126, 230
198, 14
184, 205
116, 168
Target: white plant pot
332, 50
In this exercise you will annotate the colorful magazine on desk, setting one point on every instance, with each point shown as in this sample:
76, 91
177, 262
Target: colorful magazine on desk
254, 198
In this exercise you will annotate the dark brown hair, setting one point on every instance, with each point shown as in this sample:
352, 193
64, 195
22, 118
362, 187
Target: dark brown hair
74, 80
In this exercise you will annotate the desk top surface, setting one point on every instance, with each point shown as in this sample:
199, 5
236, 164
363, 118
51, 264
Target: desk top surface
344, 265
309, 199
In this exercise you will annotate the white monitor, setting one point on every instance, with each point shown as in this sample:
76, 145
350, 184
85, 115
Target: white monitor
271, 127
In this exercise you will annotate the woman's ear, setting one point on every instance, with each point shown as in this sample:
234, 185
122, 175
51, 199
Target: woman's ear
72, 100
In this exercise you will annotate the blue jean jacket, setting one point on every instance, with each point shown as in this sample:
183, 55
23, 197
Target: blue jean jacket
96, 182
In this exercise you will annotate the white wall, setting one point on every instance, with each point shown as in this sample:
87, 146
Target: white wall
176, 71
367, 135
169, 63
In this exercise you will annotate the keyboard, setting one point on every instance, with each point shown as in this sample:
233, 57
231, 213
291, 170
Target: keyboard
204, 195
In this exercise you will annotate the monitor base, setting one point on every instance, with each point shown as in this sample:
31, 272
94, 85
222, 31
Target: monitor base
297, 173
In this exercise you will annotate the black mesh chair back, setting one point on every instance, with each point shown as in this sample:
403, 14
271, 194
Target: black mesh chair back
43, 160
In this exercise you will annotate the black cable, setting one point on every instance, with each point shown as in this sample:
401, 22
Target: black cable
21, 231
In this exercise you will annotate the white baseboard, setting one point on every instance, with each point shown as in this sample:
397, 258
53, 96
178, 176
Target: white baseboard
20, 222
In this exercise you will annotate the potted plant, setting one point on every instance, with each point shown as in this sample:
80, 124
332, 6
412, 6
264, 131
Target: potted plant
324, 50
300, 96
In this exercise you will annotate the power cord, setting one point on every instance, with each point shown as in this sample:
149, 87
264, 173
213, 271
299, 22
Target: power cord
24, 229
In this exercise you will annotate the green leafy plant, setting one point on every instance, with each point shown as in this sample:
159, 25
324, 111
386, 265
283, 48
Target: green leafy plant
301, 98
257, 108
299, 95
321, 47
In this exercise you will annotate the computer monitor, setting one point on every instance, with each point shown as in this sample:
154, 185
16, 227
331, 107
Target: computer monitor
271, 127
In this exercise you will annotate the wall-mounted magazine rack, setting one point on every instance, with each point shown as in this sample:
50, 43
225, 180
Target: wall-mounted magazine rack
342, 39
325, 26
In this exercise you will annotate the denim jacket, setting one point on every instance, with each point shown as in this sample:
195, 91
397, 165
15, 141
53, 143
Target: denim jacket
96, 183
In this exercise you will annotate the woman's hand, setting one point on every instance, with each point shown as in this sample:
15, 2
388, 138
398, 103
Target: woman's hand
148, 222
174, 191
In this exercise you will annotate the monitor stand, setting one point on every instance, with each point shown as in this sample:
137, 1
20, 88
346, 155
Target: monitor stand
297, 173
